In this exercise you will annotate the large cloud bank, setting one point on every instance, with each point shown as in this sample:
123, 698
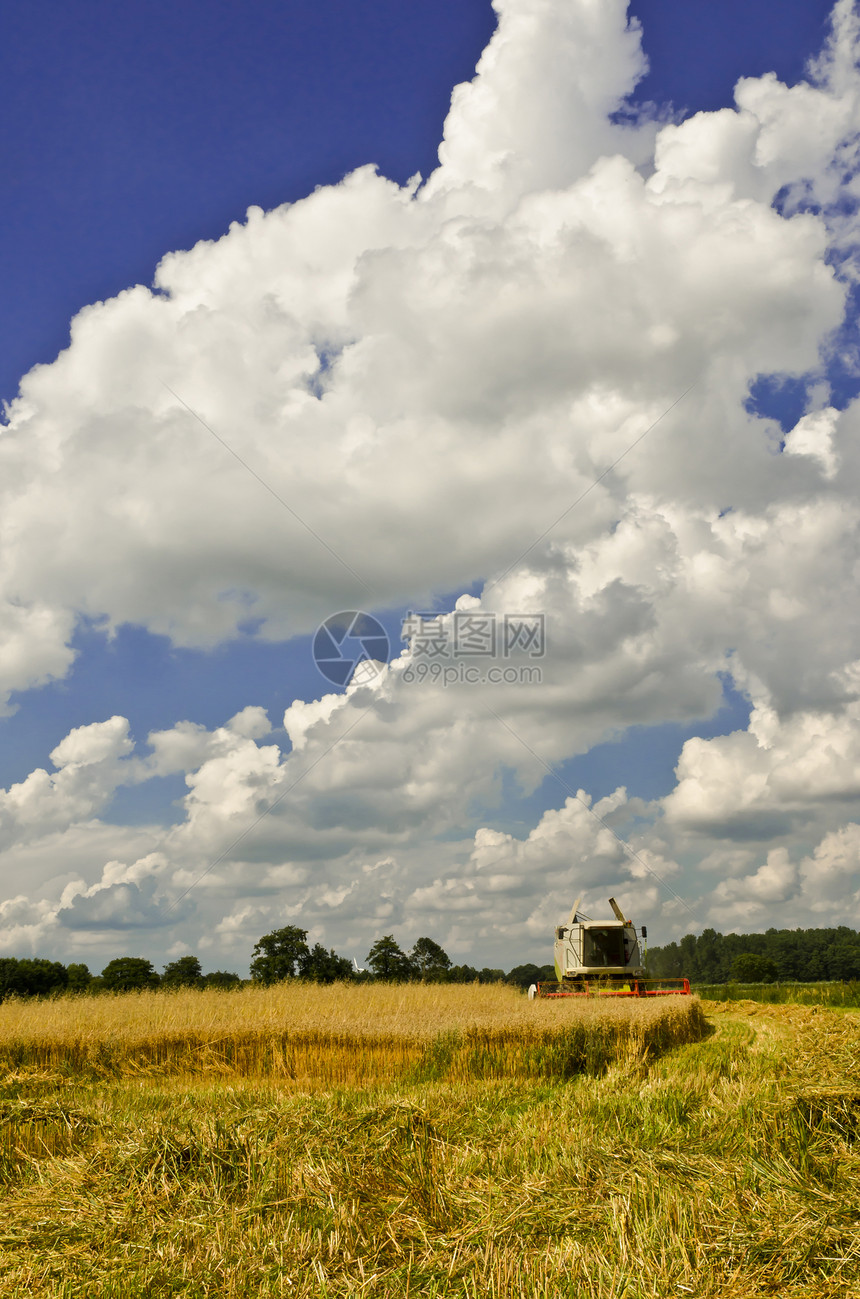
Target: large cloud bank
429, 377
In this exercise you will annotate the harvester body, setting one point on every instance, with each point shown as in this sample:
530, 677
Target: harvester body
590, 949
603, 958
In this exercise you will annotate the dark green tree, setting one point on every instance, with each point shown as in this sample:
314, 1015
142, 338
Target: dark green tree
430, 960
802, 955
79, 977
31, 977
711, 959
325, 966
221, 979
185, 972
129, 974
13, 981
750, 967
524, 975
42, 977
278, 955
688, 962
666, 962
843, 960
389, 962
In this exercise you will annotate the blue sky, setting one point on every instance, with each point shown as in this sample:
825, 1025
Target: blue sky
139, 130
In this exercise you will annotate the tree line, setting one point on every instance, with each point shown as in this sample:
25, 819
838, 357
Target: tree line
38, 977
282, 954
783, 955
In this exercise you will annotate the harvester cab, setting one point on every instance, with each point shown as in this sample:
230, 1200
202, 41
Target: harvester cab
597, 949
602, 958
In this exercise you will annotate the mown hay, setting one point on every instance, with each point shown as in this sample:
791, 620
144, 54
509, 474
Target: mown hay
724, 1169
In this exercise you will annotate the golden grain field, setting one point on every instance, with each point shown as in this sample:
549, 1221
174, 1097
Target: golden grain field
339, 1034
725, 1168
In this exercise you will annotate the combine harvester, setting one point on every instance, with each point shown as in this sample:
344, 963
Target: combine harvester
601, 958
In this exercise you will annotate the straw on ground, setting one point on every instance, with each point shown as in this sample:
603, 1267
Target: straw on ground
724, 1168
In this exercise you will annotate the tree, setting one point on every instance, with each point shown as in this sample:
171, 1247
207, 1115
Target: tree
31, 977
752, 968
79, 977
13, 982
42, 977
183, 973
523, 975
430, 960
129, 974
798, 954
278, 954
221, 979
323, 966
665, 962
687, 951
843, 960
389, 962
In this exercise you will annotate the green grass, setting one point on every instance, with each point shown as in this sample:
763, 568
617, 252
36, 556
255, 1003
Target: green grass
722, 1168
784, 994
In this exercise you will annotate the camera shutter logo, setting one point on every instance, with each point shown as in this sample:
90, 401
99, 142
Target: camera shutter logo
350, 646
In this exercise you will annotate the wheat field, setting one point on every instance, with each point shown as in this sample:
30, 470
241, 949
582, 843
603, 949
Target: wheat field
338, 1034
724, 1168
